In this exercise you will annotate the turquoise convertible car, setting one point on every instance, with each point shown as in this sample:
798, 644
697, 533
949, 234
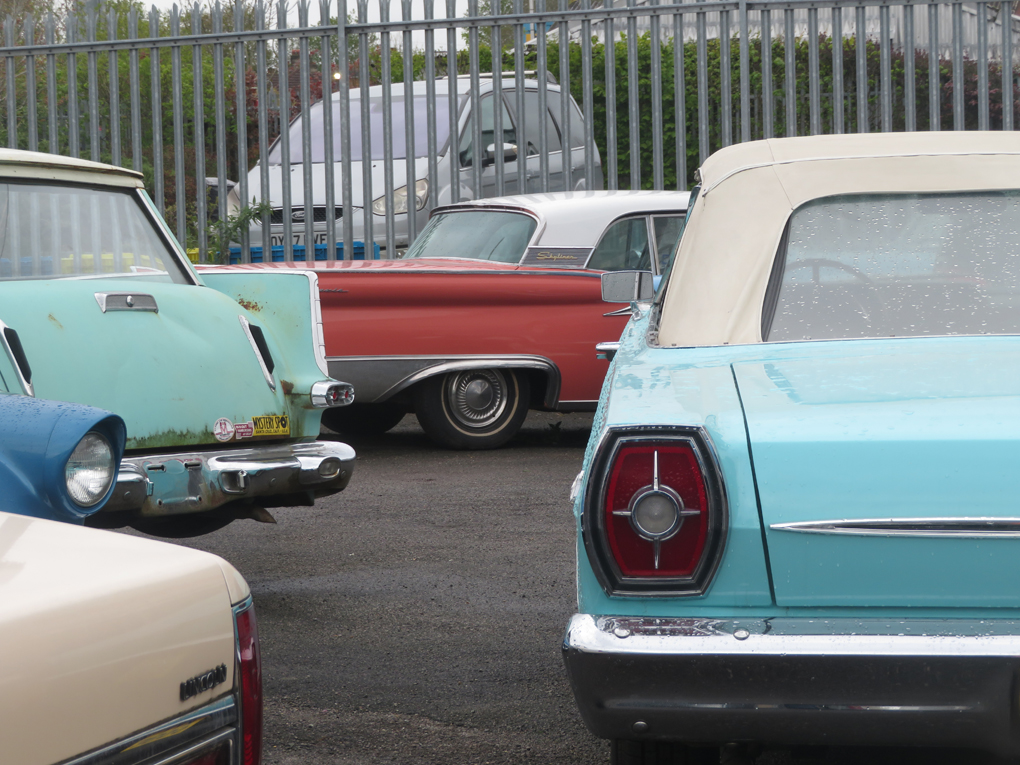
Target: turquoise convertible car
799, 513
220, 378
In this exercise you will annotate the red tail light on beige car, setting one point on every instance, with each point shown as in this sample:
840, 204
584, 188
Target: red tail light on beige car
249, 672
655, 512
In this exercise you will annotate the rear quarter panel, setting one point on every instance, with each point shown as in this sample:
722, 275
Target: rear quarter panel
555, 314
683, 387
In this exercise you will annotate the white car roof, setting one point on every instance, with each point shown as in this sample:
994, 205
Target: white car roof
748, 192
579, 218
54, 167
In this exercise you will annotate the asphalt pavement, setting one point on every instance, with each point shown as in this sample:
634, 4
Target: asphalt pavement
416, 617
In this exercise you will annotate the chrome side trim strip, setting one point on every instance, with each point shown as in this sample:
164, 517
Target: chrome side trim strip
378, 378
953, 528
195, 729
246, 326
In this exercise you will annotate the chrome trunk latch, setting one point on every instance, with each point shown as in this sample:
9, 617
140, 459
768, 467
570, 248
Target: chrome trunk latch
126, 301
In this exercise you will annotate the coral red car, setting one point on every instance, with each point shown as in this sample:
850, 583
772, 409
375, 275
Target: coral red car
495, 309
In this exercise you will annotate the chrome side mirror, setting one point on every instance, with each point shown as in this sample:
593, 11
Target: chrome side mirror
627, 286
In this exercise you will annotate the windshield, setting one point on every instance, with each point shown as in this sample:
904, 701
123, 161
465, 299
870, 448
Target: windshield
899, 266
375, 126
477, 234
51, 232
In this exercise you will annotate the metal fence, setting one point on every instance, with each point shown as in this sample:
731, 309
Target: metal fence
195, 99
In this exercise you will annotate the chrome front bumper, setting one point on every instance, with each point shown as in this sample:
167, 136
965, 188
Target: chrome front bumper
938, 683
269, 476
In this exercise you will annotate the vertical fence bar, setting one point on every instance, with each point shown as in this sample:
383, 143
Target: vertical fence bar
156, 110
745, 74
431, 105
543, 107
790, 71
453, 104
612, 140
177, 98
767, 86
305, 96
12, 104
31, 88
522, 137
410, 152
364, 80
633, 99
1005, 13
134, 86
53, 117
220, 105
328, 142
283, 88
114, 72
261, 91
838, 94
387, 120
588, 97
566, 134
679, 100
74, 138
909, 70
885, 68
725, 79
658, 164
347, 183
814, 77
92, 59
958, 81
982, 65
934, 77
704, 148
198, 123
861, 49
241, 120
477, 150
496, 67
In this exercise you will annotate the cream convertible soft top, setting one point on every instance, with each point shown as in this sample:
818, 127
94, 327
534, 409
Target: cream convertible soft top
748, 192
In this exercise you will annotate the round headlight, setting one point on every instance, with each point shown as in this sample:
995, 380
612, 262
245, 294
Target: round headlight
90, 470
656, 515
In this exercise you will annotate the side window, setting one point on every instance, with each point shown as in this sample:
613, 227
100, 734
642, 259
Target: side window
667, 233
531, 122
489, 138
624, 247
576, 126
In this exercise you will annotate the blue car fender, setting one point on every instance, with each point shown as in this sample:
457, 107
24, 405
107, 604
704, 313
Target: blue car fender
37, 437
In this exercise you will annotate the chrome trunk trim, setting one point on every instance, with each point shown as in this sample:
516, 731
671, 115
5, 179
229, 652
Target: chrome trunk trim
23, 379
956, 528
246, 326
126, 301
171, 740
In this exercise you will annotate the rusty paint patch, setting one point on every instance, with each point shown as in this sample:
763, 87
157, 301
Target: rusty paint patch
249, 305
171, 438
288, 386
53, 318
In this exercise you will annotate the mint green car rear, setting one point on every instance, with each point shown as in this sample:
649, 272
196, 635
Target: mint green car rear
220, 377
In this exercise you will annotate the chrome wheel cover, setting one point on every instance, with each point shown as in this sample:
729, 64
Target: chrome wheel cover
476, 398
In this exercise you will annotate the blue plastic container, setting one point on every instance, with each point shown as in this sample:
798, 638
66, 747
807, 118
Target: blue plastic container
276, 253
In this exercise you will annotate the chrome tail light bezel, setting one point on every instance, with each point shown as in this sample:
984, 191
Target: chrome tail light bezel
594, 533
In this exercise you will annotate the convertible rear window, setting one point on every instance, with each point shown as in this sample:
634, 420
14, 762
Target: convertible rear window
52, 232
898, 265
477, 234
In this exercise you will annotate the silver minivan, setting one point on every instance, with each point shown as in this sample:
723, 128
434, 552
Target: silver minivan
564, 150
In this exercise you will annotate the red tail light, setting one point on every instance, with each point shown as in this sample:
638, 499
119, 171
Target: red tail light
655, 516
249, 670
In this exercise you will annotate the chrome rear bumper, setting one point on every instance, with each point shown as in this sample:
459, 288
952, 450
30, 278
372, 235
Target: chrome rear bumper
270, 476
863, 682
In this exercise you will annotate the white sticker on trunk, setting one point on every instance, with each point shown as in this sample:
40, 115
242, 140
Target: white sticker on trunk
223, 429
